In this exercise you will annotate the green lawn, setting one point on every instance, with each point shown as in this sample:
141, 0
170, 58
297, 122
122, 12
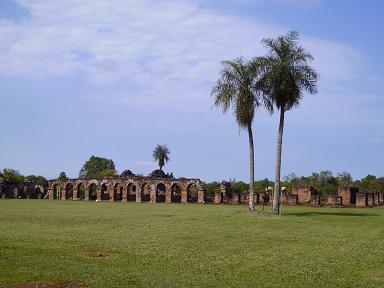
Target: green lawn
161, 245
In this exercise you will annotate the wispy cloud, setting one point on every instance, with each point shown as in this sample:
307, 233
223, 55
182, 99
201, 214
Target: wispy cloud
166, 49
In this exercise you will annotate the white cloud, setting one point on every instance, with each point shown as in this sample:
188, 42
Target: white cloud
168, 49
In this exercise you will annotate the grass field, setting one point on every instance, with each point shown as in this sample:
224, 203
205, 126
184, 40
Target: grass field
91, 244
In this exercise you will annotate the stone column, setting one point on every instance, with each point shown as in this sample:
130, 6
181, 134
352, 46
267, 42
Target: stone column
218, 197
200, 195
168, 195
184, 196
124, 195
86, 193
111, 193
138, 194
98, 193
50, 194
63, 194
74, 193
152, 194
360, 199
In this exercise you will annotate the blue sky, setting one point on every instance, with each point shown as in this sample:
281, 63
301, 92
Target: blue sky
115, 78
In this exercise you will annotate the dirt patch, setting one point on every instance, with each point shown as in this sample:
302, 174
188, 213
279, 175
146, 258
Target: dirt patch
97, 254
164, 215
46, 285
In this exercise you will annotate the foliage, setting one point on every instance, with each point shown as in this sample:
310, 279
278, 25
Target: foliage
212, 188
161, 155
286, 73
370, 184
62, 176
127, 173
12, 176
239, 187
97, 167
39, 180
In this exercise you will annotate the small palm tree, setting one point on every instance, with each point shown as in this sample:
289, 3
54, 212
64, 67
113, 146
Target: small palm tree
286, 76
236, 89
161, 155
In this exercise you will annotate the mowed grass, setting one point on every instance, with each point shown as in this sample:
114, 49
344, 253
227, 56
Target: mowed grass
176, 245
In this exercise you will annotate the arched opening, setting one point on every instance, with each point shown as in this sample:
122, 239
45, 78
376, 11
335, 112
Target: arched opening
80, 191
160, 192
175, 193
131, 192
37, 193
145, 193
69, 191
56, 192
117, 192
104, 192
192, 193
92, 190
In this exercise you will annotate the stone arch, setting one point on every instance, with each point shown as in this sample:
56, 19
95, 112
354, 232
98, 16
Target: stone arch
131, 191
104, 191
175, 193
117, 192
69, 191
56, 191
37, 192
80, 189
160, 192
145, 192
92, 191
192, 192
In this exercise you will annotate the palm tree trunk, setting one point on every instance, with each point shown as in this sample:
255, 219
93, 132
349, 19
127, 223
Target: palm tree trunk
276, 209
251, 169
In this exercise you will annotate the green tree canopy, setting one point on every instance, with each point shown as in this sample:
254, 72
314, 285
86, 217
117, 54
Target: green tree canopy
39, 180
97, 167
12, 176
63, 176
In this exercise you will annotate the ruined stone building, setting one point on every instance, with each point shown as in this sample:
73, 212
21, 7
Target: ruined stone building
130, 187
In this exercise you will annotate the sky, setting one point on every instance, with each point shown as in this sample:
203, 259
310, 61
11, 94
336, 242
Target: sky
115, 78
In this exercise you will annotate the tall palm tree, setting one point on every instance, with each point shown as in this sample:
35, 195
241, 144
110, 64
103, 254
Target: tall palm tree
236, 89
161, 155
286, 76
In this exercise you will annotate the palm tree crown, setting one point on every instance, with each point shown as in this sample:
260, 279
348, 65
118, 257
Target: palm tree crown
235, 88
287, 73
161, 155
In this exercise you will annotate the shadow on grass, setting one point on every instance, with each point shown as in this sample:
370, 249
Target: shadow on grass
318, 213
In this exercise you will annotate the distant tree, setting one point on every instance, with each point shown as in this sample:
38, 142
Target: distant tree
368, 184
212, 188
12, 176
62, 176
344, 178
240, 187
161, 155
39, 180
286, 76
97, 167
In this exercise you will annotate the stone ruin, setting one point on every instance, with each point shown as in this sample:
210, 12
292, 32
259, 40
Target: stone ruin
129, 187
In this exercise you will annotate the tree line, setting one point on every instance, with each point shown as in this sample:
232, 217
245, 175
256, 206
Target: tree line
324, 182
